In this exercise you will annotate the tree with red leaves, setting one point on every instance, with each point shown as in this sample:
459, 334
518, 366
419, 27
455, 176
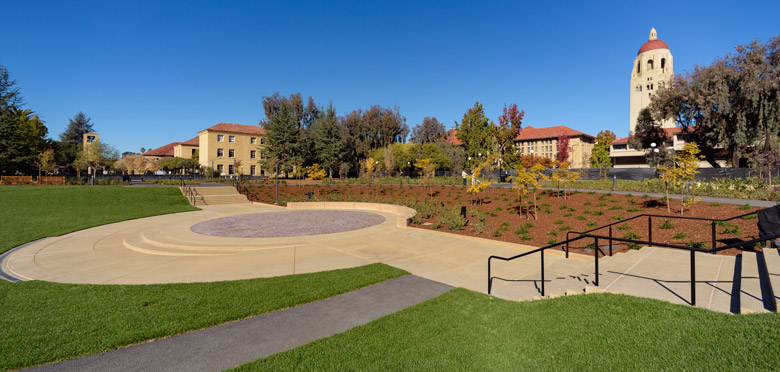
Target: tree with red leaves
563, 148
509, 124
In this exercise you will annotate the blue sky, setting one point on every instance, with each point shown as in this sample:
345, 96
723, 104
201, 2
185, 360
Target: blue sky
154, 72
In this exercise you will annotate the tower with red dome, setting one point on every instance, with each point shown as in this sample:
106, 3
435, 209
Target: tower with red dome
651, 71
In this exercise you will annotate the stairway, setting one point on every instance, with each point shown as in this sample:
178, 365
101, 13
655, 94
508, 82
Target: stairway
215, 195
744, 284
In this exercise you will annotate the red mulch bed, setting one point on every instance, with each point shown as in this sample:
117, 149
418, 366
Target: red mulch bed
555, 216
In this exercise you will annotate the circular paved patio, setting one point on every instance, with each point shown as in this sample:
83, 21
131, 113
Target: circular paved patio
287, 224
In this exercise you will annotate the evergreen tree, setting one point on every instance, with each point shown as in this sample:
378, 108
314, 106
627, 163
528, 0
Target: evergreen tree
430, 130
77, 126
475, 131
283, 140
328, 146
647, 132
22, 133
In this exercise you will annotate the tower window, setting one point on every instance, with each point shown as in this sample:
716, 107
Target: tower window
638, 65
663, 63
649, 64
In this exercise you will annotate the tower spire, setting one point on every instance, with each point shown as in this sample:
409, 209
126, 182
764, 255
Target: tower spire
653, 34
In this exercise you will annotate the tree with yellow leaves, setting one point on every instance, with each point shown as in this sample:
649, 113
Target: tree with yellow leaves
668, 174
477, 186
428, 168
521, 183
688, 162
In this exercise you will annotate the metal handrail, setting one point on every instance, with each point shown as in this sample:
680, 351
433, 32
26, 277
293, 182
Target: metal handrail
649, 242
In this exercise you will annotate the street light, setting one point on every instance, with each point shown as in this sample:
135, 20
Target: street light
532, 157
655, 150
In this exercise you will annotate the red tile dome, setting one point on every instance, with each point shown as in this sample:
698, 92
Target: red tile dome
651, 45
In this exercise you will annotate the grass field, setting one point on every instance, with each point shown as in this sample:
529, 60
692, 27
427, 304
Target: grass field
43, 322
34, 212
467, 331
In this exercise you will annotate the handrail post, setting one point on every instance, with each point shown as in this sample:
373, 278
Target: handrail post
713, 235
693, 278
490, 280
542, 252
650, 230
596, 252
567, 244
610, 241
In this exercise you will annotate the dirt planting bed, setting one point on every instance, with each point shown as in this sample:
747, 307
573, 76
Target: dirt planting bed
499, 216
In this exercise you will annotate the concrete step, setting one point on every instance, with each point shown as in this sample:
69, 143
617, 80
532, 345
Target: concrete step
220, 190
141, 242
772, 259
523, 280
751, 299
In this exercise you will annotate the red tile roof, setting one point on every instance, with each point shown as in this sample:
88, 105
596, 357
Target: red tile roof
166, 150
531, 133
450, 137
620, 141
237, 128
651, 45
192, 142
669, 132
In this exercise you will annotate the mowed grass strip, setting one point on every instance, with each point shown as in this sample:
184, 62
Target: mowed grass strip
467, 331
35, 212
44, 322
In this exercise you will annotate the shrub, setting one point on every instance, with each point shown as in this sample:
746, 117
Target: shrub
591, 224
731, 230
581, 218
715, 204
694, 244
521, 231
632, 235
552, 241
436, 225
745, 207
617, 217
680, 235
623, 227
452, 219
558, 222
750, 217
478, 227
666, 225
633, 209
564, 228
615, 207
547, 211
497, 234
552, 233
587, 203
567, 214
525, 238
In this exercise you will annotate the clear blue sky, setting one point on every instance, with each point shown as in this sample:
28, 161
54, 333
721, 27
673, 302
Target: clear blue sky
154, 72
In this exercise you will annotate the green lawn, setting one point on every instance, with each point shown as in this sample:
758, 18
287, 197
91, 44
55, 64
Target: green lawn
467, 331
43, 322
34, 212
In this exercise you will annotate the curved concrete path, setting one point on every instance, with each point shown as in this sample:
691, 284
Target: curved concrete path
235, 343
163, 249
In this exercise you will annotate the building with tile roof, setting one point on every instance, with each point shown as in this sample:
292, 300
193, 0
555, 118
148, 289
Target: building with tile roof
544, 142
164, 151
231, 149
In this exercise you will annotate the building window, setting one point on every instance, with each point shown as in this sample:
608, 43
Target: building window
220, 138
637, 67
219, 168
649, 65
619, 147
193, 151
231, 153
638, 88
231, 138
252, 154
220, 153
230, 169
252, 169
252, 140
262, 141
663, 63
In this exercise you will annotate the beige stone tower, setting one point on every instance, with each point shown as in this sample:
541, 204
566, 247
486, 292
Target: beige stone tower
652, 70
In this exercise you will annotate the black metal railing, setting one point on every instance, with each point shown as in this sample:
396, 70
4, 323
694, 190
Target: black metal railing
191, 193
649, 242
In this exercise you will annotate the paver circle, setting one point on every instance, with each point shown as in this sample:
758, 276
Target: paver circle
287, 223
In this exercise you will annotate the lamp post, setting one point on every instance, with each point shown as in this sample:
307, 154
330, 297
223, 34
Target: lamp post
276, 178
532, 157
409, 167
655, 150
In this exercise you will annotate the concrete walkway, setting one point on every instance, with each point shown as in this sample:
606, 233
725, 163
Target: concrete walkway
164, 249
232, 344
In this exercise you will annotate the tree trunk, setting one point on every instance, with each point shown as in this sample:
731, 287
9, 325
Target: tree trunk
668, 208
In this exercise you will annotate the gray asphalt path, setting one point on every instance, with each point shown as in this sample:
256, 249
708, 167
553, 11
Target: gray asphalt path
232, 344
